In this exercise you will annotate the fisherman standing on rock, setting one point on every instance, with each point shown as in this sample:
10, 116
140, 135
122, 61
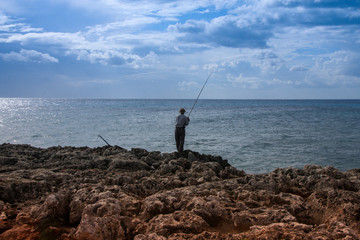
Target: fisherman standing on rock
181, 122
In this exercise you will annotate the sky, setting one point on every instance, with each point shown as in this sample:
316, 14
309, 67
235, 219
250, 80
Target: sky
256, 49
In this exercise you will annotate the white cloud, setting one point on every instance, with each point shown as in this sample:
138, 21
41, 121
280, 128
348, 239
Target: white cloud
18, 27
256, 82
334, 69
276, 81
128, 25
116, 57
298, 68
245, 82
111, 57
228, 30
108, 44
58, 39
265, 60
9, 25
28, 56
186, 85
3, 18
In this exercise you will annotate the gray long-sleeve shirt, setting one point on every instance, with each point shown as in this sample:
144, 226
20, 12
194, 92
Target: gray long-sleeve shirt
182, 121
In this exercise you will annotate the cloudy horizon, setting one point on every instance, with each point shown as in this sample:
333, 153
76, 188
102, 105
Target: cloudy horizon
264, 49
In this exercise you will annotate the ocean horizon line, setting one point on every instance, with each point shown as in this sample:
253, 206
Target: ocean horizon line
173, 99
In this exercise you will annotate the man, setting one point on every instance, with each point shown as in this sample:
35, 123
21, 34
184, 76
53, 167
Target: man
181, 122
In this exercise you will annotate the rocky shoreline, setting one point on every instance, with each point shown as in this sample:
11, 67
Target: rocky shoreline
113, 193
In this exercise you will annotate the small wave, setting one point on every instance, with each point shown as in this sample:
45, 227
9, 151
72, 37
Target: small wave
285, 136
256, 145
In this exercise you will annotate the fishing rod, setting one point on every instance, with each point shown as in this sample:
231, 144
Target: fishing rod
201, 91
104, 140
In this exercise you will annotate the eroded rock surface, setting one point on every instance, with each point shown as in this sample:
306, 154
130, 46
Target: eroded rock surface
112, 193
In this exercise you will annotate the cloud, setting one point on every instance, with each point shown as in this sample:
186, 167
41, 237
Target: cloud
308, 12
18, 27
166, 10
267, 61
245, 82
128, 25
108, 44
28, 56
191, 26
335, 69
186, 85
316, 3
9, 25
3, 18
228, 31
256, 82
253, 24
104, 57
116, 57
298, 68
89, 46
69, 40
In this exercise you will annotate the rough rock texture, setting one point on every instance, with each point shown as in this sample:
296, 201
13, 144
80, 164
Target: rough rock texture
112, 193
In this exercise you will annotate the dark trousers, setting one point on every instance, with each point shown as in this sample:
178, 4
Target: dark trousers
180, 138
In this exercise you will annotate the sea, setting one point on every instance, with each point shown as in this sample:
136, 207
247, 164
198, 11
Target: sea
256, 136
